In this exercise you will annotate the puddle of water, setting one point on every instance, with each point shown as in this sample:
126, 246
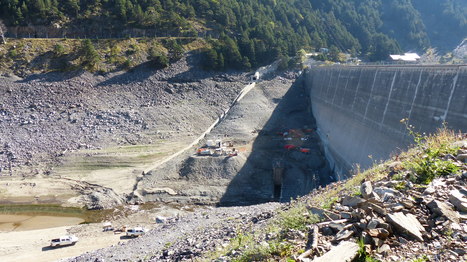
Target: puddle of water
31, 217
30, 222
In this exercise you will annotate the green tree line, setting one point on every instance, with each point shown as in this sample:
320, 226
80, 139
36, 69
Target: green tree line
249, 33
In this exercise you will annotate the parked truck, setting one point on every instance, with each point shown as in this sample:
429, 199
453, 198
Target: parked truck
64, 241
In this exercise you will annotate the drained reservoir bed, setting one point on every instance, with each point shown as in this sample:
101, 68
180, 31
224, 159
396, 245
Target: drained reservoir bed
31, 222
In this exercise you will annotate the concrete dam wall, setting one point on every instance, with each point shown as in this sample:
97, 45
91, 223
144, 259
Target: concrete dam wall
358, 108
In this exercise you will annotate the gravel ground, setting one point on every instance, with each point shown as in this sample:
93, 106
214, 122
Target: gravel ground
188, 237
45, 116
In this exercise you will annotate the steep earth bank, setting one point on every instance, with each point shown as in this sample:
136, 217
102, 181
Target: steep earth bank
257, 128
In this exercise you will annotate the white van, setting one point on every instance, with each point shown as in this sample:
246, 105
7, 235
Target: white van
135, 232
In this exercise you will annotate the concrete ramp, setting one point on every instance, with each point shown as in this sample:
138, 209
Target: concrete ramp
358, 108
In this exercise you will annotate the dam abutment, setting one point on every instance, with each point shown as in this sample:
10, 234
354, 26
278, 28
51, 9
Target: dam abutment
358, 109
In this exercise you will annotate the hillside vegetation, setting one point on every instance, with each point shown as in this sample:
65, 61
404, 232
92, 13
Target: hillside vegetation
26, 56
249, 33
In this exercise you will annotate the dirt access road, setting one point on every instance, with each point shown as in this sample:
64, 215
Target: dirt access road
23, 244
33, 245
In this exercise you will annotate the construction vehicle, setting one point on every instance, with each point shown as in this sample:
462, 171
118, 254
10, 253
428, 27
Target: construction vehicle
217, 148
204, 152
304, 150
107, 227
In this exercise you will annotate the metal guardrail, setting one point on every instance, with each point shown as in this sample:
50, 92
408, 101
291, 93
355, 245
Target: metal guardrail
375, 65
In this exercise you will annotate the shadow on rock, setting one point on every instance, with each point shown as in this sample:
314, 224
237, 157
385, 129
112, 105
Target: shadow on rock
136, 74
303, 165
127, 237
195, 73
53, 76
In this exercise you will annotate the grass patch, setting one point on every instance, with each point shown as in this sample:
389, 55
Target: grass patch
267, 251
251, 247
297, 217
425, 159
328, 203
424, 258
428, 168
151, 156
87, 166
363, 256
400, 185
41, 209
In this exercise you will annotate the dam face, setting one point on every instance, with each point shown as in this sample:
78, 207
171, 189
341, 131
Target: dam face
358, 108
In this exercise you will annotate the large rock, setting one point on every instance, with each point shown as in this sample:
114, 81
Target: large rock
378, 232
162, 190
343, 235
352, 201
345, 252
372, 224
462, 157
336, 226
324, 214
161, 219
443, 209
366, 189
376, 208
406, 224
461, 144
381, 191
459, 200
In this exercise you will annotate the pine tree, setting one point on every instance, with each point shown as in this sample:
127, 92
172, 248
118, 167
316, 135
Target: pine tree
89, 55
3, 31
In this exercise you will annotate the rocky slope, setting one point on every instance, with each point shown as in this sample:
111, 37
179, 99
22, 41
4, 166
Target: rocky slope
186, 237
253, 125
387, 217
53, 113
60, 124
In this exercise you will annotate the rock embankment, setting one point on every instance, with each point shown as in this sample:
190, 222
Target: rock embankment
271, 124
397, 221
393, 219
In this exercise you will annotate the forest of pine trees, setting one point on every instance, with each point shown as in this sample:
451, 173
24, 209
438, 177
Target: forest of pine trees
250, 33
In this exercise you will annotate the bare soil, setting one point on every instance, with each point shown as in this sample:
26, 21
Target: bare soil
29, 241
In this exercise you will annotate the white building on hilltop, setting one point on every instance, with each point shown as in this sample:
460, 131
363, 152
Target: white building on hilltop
407, 57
